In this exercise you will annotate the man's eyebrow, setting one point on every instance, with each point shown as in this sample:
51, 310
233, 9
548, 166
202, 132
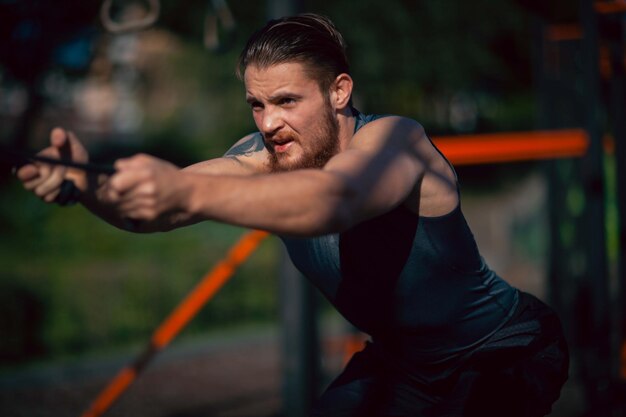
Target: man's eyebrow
283, 94
276, 97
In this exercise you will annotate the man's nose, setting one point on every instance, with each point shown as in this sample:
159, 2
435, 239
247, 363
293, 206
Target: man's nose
272, 121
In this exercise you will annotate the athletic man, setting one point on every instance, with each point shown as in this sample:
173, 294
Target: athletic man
369, 211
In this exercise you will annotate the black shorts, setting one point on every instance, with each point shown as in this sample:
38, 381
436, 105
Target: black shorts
519, 372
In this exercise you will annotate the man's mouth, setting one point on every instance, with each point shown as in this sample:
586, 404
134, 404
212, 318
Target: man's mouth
282, 145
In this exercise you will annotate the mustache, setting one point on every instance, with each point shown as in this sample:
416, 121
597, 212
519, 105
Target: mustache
271, 141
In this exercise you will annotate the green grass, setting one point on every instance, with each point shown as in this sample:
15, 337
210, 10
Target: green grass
78, 284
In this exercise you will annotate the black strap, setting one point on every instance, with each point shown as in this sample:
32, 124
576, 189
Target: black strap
19, 158
68, 195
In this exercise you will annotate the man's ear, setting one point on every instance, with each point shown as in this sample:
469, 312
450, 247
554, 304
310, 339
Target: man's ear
341, 91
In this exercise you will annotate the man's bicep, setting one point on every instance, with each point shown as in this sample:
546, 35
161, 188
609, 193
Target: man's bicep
382, 165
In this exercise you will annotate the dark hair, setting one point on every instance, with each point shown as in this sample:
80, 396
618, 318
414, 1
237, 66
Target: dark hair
308, 38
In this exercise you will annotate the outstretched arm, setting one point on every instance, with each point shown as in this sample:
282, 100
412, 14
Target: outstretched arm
382, 167
45, 180
138, 212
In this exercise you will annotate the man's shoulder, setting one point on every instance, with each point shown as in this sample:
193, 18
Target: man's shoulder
363, 119
247, 145
388, 124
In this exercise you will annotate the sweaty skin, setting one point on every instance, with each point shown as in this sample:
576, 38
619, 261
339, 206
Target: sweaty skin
387, 163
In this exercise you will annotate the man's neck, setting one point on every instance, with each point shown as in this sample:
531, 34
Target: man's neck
347, 121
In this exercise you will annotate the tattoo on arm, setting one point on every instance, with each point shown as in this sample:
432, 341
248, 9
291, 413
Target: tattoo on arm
248, 147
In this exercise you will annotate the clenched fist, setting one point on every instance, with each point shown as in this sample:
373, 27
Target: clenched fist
145, 187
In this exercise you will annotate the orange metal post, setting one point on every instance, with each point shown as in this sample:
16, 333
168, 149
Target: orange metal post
564, 32
185, 311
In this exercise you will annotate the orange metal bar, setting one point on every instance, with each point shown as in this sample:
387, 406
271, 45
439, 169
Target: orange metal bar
610, 7
186, 310
605, 62
564, 32
354, 343
571, 32
207, 288
513, 146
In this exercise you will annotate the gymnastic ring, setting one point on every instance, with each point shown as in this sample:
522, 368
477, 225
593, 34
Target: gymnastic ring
129, 26
221, 14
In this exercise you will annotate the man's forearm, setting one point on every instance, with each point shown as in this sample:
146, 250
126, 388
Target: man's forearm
302, 203
94, 199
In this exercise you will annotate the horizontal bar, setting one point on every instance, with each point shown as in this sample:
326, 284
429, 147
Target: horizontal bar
563, 32
513, 146
459, 149
610, 7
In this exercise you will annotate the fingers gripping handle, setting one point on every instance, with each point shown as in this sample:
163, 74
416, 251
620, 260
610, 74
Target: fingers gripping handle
68, 194
19, 158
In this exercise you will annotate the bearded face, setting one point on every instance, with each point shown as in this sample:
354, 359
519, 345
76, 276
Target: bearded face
296, 118
314, 150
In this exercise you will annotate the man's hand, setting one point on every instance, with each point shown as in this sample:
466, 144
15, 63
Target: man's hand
45, 179
145, 188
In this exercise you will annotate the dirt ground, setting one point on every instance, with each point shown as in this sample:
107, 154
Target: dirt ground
230, 376
237, 375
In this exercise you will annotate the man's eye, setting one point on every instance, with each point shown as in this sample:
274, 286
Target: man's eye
287, 101
256, 105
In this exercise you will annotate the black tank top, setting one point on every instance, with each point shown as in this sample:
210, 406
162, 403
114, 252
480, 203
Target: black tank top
417, 285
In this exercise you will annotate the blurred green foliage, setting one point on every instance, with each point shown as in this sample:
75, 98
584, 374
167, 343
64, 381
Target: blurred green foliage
82, 284
407, 57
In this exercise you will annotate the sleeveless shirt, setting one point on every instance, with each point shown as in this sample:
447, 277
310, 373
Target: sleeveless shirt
416, 284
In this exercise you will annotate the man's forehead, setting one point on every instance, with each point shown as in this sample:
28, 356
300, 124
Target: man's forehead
277, 75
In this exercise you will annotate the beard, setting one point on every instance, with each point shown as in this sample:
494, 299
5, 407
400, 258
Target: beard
316, 151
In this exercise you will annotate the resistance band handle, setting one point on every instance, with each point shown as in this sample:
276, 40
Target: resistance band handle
19, 158
69, 194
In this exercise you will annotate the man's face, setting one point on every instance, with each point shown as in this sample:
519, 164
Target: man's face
297, 121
